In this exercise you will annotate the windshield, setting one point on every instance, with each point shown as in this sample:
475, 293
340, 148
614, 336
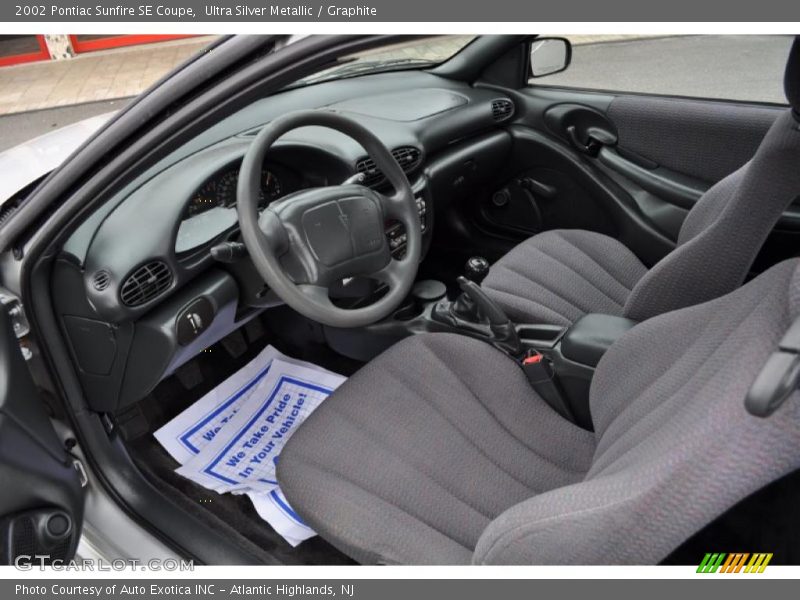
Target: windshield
416, 54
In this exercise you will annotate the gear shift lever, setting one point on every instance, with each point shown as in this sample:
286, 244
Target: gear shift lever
504, 334
476, 270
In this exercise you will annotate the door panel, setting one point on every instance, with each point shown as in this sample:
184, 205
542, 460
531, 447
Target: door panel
642, 161
704, 140
41, 505
585, 197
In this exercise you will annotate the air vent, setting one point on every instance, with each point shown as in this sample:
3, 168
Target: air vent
145, 283
100, 280
372, 176
408, 157
502, 109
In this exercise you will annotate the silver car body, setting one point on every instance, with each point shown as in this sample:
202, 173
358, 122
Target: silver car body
28, 162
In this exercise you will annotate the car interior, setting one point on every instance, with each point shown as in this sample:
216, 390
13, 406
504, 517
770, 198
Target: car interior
563, 297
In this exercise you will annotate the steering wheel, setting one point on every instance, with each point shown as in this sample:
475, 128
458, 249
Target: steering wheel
309, 240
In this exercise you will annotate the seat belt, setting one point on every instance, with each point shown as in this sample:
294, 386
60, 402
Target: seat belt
543, 379
779, 376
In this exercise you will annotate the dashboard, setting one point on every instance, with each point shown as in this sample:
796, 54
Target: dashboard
136, 275
167, 220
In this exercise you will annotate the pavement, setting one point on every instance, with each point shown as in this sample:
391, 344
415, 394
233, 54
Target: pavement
91, 77
39, 97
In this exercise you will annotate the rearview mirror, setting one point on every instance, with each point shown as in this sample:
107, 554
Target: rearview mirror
549, 55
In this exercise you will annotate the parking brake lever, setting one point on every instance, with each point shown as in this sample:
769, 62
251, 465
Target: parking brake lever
504, 334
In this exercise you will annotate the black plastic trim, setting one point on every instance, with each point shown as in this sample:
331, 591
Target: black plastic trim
676, 188
635, 230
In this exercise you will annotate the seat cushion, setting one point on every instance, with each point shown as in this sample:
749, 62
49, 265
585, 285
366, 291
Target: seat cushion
558, 276
676, 447
413, 457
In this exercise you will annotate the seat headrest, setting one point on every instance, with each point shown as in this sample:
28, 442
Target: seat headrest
791, 78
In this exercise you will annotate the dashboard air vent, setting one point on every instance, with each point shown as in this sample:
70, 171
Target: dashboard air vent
502, 109
371, 173
100, 280
408, 157
145, 283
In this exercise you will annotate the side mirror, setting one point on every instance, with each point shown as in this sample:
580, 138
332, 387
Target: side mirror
549, 55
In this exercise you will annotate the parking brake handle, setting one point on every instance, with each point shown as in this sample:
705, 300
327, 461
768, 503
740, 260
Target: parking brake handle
504, 334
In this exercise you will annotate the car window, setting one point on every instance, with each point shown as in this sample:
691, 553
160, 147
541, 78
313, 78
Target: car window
415, 54
731, 67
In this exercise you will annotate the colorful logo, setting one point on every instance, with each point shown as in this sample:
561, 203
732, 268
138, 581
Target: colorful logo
738, 562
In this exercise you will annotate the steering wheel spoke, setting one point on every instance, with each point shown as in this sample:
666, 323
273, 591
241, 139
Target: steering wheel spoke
316, 293
395, 205
275, 237
391, 274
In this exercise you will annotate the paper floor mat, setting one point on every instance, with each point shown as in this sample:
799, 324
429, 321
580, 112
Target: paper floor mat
229, 441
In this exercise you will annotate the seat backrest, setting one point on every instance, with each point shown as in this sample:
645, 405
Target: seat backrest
724, 231
675, 446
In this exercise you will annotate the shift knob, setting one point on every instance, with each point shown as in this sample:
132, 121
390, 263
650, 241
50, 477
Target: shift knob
476, 269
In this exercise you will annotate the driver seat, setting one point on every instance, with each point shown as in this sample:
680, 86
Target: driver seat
439, 451
558, 276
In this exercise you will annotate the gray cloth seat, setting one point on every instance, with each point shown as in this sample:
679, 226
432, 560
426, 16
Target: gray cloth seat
428, 420
439, 451
557, 277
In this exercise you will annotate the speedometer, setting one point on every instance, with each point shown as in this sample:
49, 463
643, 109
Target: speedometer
226, 187
270, 185
204, 199
221, 191
212, 209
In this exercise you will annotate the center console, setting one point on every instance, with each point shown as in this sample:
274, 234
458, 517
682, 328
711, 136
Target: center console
558, 361
572, 353
396, 232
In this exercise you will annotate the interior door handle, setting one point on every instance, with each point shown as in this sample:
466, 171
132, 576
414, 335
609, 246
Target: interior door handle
596, 138
580, 145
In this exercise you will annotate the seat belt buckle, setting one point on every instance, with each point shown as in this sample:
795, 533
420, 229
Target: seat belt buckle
542, 377
536, 367
778, 378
